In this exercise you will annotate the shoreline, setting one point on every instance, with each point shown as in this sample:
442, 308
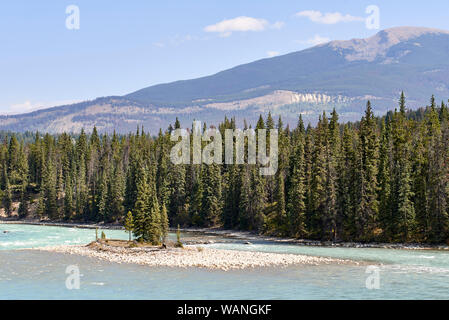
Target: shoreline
191, 256
241, 235
79, 225
246, 235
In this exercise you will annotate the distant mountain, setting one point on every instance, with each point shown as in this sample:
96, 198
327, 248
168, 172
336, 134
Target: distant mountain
340, 74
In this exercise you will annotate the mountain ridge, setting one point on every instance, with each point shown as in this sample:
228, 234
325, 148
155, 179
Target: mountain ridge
341, 74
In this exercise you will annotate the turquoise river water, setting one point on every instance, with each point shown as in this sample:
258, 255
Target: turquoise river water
31, 274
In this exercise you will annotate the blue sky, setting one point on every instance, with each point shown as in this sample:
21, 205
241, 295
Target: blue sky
123, 46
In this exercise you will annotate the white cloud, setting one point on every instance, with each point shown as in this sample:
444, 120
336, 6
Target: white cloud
278, 25
328, 18
316, 40
241, 24
238, 24
272, 53
29, 106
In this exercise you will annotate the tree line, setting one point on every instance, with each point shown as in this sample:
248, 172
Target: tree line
379, 179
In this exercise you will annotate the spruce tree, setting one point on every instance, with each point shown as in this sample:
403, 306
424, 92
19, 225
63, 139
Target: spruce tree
68, 198
347, 188
141, 211
318, 180
164, 223
437, 186
49, 190
331, 188
403, 211
23, 206
367, 202
129, 223
211, 202
280, 212
296, 206
386, 219
7, 197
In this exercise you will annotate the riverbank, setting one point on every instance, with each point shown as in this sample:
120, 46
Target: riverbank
191, 256
249, 236
241, 235
64, 224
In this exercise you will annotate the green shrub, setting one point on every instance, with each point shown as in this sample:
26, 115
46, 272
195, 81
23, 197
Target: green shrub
178, 238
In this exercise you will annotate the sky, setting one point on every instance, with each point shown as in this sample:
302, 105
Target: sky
60, 52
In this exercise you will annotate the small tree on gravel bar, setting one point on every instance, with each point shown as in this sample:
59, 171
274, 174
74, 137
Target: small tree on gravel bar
129, 223
178, 237
164, 223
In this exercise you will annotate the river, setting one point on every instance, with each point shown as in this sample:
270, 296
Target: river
32, 274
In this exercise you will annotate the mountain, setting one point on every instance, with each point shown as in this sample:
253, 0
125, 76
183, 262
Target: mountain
340, 74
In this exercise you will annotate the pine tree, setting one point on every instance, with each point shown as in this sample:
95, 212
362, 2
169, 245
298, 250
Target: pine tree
162, 175
406, 209
386, 219
347, 189
23, 206
419, 184
7, 197
380, 179
154, 219
116, 192
317, 180
40, 211
232, 197
102, 198
437, 178
331, 188
211, 204
280, 219
178, 238
196, 198
81, 189
49, 190
35, 157
129, 223
141, 211
68, 198
296, 206
403, 211
253, 199
270, 182
177, 192
13, 160
367, 206
164, 223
